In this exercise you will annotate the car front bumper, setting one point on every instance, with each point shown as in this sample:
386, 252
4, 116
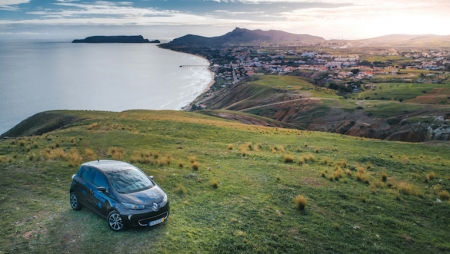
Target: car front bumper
145, 218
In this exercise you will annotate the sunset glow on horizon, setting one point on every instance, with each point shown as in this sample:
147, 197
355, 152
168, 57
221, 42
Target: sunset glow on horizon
331, 19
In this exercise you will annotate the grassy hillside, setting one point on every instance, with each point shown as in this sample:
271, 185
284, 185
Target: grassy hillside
358, 195
295, 102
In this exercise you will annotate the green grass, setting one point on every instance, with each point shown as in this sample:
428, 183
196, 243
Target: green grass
386, 58
397, 91
253, 208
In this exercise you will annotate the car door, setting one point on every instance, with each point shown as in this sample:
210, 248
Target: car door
85, 185
100, 199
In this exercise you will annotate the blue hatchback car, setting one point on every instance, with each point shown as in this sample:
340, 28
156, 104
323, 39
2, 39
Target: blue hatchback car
120, 192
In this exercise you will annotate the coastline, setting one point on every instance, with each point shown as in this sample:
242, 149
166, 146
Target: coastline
206, 89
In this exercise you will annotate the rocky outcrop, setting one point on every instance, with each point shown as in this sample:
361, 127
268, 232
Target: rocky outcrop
115, 39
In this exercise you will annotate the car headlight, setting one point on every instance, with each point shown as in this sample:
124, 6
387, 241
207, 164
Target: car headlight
164, 201
133, 206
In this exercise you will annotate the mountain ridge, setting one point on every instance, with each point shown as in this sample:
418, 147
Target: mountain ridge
246, 37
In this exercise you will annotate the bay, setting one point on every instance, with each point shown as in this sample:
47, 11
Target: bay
36, 76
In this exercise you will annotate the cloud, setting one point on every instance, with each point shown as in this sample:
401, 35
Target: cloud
11, 5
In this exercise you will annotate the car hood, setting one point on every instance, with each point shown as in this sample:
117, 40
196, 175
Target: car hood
145, 197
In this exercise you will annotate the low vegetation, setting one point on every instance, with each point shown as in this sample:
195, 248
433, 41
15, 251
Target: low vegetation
354, 196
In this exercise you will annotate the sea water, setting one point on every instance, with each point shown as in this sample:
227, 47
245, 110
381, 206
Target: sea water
36, 76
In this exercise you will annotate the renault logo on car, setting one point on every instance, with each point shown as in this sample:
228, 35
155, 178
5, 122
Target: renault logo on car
155, 207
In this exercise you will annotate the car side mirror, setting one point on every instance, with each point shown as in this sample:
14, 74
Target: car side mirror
102, 189
151, 177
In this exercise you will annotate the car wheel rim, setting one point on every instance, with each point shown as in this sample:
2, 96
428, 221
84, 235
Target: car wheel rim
115, 222
73, 200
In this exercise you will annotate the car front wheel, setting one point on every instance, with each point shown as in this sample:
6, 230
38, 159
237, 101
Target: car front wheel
74, 202
115, 221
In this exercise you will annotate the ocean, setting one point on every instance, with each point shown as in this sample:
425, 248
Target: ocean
36, 76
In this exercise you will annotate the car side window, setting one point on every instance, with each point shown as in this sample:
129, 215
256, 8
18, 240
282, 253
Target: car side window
100, 180
88, 174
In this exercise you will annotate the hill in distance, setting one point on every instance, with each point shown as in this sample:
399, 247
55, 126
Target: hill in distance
407, 40
241, 36
246, 37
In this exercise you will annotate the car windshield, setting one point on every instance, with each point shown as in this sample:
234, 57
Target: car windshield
129, 180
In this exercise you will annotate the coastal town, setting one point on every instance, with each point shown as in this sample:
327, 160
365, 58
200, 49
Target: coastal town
231, 64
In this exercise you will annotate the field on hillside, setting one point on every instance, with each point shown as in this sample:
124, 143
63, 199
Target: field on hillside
403, 91
232, 187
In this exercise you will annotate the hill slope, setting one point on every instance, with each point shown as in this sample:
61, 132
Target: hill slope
296, 102
240, 36
258, 171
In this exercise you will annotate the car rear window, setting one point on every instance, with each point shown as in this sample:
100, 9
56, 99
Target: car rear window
129, 180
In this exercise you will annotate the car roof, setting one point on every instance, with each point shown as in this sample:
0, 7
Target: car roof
108, 165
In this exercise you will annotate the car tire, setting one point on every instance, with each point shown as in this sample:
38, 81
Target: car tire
74, 201
114, 220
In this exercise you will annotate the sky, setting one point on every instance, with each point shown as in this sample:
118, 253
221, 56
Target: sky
168, 19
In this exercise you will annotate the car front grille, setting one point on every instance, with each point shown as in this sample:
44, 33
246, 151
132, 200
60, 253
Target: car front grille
144, 222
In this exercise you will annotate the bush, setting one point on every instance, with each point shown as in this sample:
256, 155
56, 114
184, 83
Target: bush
195, 166
230, 147
116, 153
430, 176
191, 159
215, 184
348, 172
444, 195
300, 202
342, 163
89, 154
180, 189
384, 177
288, 158
409, 189
180, 164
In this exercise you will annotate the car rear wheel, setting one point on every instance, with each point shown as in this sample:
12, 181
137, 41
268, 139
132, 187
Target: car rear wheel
115, 221
74, 202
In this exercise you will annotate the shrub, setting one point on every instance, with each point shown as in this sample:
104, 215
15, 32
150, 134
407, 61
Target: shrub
409, 189
89, 154
161, 162
116, 153
301, 161
430, 176
195, 166
336, 226
191, 158
362, 176
215, 184
280, 148
337, 174
180, 189
169, 159
342, 163
444, 195
325, 160
31, 157
348, 172
74, 158
317, 150
57, 154
300, 202
384, 177
309, 157
180, 164
288, 158
230, 147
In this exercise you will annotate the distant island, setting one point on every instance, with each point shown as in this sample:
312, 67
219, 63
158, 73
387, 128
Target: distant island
115, 39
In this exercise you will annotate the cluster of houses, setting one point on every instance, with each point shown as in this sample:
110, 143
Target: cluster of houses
249, 61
